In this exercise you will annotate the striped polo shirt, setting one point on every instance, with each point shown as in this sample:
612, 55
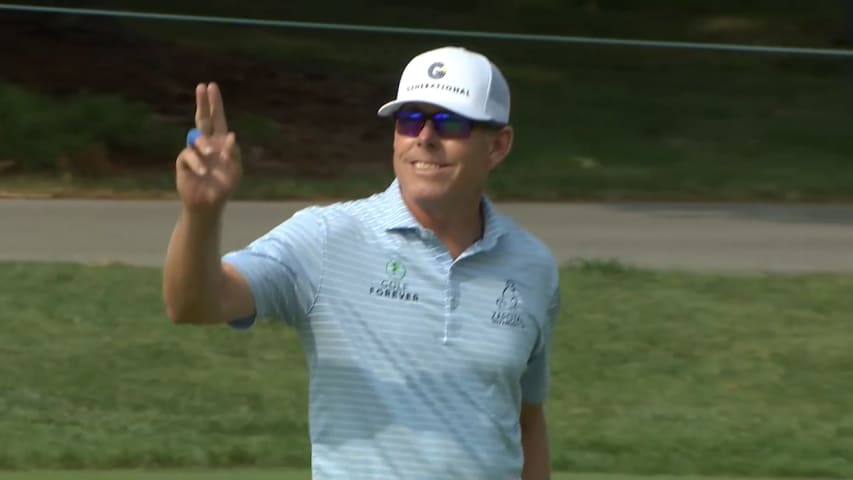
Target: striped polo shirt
418, 363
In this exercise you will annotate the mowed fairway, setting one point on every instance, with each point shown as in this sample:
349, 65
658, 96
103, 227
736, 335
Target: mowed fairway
654, 372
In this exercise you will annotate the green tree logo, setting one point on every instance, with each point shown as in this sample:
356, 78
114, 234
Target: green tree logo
395, 270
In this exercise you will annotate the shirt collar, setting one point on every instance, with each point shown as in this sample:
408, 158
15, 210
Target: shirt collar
495, 225
396, 214
398, 217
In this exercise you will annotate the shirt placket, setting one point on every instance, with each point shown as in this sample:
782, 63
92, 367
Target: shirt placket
450, 293
451, 302
452, 297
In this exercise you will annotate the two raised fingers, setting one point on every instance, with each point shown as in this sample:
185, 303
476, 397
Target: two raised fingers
210, 110
210, 121
210, 138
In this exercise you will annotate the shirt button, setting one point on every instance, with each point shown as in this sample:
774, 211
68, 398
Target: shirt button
454, 302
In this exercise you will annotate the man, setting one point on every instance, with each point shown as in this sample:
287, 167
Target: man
425, 315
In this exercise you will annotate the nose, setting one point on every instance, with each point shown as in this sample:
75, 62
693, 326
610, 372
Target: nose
428, 135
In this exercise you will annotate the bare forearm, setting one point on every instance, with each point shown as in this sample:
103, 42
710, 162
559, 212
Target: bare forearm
192, 271
534, 441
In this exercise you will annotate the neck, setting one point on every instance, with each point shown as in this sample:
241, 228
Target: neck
457, 226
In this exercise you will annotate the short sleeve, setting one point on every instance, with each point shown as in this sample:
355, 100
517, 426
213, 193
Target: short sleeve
535, 380
284, 268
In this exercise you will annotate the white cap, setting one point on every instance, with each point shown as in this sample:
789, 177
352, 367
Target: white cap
457, 79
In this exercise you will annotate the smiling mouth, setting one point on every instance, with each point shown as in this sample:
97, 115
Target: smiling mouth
427, 165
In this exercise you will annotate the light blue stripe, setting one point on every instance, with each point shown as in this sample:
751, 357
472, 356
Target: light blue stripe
257, 22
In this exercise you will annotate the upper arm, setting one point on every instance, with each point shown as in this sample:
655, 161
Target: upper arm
534, 441
535, 381
531, 413
237, 299
530, 410
279, 274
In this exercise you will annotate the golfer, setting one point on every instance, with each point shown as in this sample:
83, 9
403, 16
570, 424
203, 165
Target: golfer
425, 314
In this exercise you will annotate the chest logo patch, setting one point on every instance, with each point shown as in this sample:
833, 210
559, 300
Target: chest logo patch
508, 313
393, 286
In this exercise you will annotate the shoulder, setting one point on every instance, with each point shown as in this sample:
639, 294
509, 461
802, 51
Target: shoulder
528, 248
534, 268
342, 218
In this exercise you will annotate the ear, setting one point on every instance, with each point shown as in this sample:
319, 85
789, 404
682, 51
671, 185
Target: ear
500, 146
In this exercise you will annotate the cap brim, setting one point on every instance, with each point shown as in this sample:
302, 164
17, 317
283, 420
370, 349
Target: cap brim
391, 107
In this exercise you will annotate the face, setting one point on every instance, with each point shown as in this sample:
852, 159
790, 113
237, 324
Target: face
443, 163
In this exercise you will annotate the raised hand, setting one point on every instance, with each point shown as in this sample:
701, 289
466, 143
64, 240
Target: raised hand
208, 172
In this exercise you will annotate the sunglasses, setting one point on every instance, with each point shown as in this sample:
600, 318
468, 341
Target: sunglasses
446, 124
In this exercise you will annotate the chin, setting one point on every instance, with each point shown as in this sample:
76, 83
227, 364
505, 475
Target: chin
424, 191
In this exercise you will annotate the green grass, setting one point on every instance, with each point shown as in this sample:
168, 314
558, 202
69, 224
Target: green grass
653, 372
65, 135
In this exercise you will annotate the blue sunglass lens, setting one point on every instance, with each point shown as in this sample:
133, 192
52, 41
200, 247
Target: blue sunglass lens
447, 125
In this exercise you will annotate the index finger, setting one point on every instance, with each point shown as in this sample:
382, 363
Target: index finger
202, 110
217, 109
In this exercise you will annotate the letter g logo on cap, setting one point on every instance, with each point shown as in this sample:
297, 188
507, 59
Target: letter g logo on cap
437, 70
